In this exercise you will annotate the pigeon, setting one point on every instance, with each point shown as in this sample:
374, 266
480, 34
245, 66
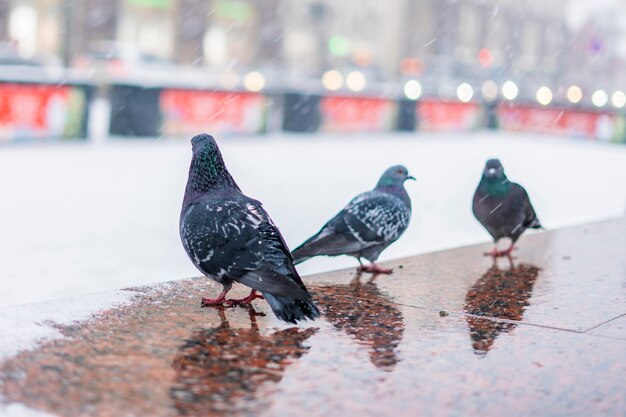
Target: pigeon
230, 238
367, 225
502, 207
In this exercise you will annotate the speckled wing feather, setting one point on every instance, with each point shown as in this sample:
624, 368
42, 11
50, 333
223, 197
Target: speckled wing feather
377, 217
235, 238
371, 219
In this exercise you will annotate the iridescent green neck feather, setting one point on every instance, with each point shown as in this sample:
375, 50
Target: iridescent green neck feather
207, 174
496, 187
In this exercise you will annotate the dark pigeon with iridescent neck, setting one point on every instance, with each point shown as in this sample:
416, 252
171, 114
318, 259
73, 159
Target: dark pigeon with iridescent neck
502, 207
230, 238
367, 225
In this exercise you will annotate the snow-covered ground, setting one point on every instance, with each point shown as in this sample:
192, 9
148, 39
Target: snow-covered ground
79, 218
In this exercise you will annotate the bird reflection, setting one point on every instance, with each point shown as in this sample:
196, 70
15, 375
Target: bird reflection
219, 370
360, 310
502, 294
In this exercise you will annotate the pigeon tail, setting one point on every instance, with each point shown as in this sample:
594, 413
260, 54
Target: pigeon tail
324, 244
292, 310
302, 252
298, 259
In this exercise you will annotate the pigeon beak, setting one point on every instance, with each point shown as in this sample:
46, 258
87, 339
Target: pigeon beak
411, 177
491, 171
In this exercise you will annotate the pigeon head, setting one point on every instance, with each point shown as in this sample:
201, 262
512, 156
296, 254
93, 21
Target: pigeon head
207, 171
394, 177
203, 141
494, 171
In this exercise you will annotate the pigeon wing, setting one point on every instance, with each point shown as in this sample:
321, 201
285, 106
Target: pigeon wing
521, 197
232, 238
377, 217
370, 219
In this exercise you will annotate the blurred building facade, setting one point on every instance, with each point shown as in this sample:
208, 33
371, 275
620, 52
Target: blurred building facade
387, 41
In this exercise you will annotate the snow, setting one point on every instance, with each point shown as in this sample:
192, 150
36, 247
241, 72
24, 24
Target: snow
79, 218
24, 326
20, 410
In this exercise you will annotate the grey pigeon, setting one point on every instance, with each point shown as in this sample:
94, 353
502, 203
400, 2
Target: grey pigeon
230, 238
367, 225
502, 207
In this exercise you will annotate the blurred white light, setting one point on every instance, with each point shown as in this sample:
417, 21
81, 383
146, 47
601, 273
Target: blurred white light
229, 80
619, 99
332, 80
574, 94
355, 81
465, 92
413, 89
490, 90
544, 96
510, 90
599, 98
254, 81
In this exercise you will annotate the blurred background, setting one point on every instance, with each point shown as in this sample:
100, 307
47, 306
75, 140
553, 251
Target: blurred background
310, 101
163, 67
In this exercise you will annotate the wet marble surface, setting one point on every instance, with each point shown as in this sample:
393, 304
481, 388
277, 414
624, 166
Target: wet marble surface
450, 333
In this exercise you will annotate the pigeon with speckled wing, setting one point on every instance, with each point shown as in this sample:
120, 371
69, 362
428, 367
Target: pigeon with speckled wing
367, 225
502, 207
230, 238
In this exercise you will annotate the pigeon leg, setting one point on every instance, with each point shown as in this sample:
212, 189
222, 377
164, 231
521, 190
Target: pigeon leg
510, 259
244, 301
374, 269
494, 253
508, 251
215, 301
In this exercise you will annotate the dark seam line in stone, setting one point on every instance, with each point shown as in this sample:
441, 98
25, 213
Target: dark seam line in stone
490, 318
543, 326
603, 323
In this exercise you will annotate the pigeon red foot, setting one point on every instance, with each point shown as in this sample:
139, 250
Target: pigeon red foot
495, 253
220, 300
374, 269
246, 300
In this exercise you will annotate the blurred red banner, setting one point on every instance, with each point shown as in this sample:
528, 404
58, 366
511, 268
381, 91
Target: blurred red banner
556, 121
356, 114
435, 115
189, 112
39, 111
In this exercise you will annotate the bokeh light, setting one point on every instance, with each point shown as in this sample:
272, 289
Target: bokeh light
544, 96
332, 80
490, 90
465, 92
599, 98
574, 94
510, 90
355, 81
254, 81
619, 99
413, 89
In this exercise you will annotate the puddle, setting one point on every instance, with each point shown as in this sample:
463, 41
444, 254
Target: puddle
501, 294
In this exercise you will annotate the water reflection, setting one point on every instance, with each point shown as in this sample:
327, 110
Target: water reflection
219, 370
360, 310
499, 293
